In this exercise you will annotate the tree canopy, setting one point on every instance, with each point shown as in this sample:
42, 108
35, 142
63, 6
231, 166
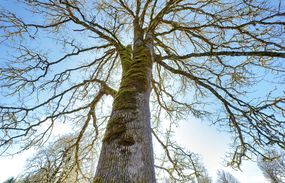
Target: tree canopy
220, 60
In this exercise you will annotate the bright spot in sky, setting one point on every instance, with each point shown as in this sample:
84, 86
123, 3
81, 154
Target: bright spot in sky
12, 166
212, 145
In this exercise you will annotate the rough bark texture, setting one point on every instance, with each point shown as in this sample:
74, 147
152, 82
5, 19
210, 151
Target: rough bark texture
127, 152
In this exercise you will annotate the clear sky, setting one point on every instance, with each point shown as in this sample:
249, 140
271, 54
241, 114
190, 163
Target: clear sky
192, 133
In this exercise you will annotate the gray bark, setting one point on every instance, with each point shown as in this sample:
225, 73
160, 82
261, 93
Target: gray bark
129, 156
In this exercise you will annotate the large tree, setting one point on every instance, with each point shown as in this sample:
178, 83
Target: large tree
199, 57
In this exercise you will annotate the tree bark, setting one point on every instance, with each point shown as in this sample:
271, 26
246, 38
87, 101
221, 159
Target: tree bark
127, 152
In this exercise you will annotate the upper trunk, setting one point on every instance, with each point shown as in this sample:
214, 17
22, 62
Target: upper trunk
127, 153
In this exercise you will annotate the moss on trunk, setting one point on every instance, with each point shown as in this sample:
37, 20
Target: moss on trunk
127, 154
134, 77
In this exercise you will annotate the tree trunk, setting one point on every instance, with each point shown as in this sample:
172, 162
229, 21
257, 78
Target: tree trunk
127, 152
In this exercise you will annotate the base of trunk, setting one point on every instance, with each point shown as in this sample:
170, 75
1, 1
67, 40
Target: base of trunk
127, 153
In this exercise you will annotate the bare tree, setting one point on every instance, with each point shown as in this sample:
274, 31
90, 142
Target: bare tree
204, 178
201, 57
10, 180
274, 168
59, 163
226, 177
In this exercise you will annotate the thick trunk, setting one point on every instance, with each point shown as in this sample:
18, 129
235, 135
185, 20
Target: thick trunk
127, 152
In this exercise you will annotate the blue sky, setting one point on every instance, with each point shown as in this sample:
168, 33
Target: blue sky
194, 134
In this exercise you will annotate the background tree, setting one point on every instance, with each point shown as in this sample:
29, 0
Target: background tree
226, 177
273, 168
59, 163
202, 57
203, 178
10, 180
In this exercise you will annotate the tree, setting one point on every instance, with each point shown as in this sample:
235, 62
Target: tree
273, 168
226, 177
204, 179
59, 163
203, 176
10, 180
183, 57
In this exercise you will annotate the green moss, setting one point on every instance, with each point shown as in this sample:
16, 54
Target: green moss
126, 140
125, 99
98, 180
134, 80
115, 128
126, 57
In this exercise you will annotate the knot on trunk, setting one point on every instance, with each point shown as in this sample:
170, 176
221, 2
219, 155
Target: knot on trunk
117, 127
